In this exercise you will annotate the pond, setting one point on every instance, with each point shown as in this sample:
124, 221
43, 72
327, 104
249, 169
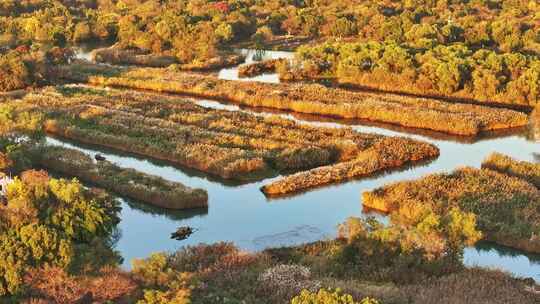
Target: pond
243, 215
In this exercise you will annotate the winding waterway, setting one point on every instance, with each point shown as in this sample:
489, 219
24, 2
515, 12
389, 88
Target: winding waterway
243, 215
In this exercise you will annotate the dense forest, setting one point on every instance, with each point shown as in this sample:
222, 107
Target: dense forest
198, 30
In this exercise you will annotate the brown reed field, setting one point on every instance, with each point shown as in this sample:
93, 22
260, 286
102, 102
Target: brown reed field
422, 113
259, 68
509, 166
131, 183
390, 152
231, 145
137, 57
506, 207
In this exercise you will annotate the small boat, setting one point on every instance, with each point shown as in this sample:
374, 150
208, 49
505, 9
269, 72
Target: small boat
182, 233
100, 157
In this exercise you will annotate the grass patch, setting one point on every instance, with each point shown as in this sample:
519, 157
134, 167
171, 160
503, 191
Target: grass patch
231, 145
506, 207
259, 68
431, 114
389, 153
128, 182
506, 165
137, 57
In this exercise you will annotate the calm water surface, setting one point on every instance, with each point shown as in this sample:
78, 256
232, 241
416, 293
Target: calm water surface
243, 215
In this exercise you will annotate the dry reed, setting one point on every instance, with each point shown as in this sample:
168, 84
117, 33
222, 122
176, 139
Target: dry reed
506, 207
423, 113
128, 182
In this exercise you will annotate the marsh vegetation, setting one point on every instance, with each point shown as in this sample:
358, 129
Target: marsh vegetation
231, 145
504, 205
150, 189
453, 118
465, 68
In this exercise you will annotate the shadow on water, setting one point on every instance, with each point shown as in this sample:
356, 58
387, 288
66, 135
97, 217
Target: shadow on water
174, 215
490, 255
504, 251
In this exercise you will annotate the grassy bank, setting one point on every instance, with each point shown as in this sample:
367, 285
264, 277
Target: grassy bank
389, 153
115, 55
118, 56
231, 145
505, 206
127, 182
259, 68
506, 165
459, 119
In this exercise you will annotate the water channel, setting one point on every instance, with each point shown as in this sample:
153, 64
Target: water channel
240, 213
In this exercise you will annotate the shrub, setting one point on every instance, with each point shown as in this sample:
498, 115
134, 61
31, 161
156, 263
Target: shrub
425, 68
503, 205
14, 74
324, 296
54, 283
43, 222
286, 280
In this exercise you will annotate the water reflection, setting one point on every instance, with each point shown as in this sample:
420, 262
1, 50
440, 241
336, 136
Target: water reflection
490, 255
534, 133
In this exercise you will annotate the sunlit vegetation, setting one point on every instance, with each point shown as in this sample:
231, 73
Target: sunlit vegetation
115, 55
368, 261
502, 25
460, 119
54, 21
365, 266
20, 131
198, 30
259, 68
127, 182
220, 273
505, 207
51, 284
388, 153
324, 296
23, 67
57, 235
56, 222
534, 124
506, 165
232, 145
448, 71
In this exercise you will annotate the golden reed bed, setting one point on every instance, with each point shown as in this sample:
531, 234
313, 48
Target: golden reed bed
506, 205
231, 145
422, 113
143, 187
